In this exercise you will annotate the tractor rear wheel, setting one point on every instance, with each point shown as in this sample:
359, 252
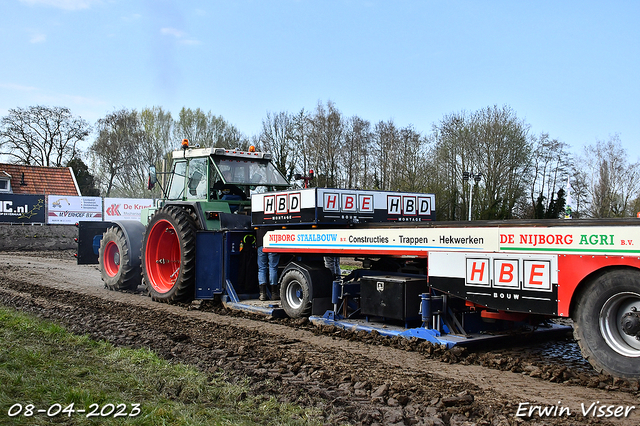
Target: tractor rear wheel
168, 255
607, 323
118, 270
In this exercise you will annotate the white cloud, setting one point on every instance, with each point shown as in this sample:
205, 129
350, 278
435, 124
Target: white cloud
173, 32
179, 35
38, 38
83, 100
132, 17
17, 87
190, 42
63, 4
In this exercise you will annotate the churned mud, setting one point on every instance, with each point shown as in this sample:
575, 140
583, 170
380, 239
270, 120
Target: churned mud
354, 378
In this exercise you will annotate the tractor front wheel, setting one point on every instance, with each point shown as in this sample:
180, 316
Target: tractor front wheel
168, 255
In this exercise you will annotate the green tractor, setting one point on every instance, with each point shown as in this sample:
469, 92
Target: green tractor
206, 190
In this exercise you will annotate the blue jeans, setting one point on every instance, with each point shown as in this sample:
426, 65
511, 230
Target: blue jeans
333, 264
268, 261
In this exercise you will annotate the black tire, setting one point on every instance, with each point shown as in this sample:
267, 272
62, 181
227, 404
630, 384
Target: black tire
119, 269
295, 294
169, 255
598, 323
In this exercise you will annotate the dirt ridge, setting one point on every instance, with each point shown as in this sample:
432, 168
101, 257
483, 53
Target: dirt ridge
352, 381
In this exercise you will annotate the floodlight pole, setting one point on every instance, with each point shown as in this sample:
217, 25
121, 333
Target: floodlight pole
470, 199
476, 177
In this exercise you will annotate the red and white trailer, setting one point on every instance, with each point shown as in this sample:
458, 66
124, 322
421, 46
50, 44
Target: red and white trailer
449, 283
496, 271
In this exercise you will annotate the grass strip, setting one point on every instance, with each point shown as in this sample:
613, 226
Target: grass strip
45, 367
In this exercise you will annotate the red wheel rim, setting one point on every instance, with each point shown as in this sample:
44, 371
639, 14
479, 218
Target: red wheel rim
162, 256
111, 260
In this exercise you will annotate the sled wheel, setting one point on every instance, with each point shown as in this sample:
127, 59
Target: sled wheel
607, 323
295, 294
168, 257
118, 270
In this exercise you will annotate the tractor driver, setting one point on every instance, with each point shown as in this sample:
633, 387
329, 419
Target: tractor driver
228, 191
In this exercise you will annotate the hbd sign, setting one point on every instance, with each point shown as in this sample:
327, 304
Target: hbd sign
409, 205
282, 203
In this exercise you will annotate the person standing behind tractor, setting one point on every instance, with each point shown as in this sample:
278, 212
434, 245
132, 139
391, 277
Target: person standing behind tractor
333, 264
267, 269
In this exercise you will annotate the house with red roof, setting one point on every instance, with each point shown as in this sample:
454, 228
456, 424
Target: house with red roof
19, 179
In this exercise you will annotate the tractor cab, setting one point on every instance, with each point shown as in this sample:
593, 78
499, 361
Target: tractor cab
217, 179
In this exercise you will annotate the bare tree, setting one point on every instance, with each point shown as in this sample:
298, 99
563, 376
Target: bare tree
386, 139
192, 125
613, 184
42, 136
301, 126
550, 166
579, 191
207, 130
325, 142
157, 124
357, 142
491, 141
277, 137
234, 138
412, 165
451, 156
118, 154
504, 154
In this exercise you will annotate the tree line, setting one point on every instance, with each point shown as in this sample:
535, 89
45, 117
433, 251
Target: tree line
488, 157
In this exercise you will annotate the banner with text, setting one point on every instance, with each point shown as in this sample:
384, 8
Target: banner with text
67, 210
22, 208
125, 208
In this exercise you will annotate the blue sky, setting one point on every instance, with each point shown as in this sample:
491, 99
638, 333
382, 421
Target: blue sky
569, 68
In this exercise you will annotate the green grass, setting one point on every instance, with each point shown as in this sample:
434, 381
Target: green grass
43, 364
349, 268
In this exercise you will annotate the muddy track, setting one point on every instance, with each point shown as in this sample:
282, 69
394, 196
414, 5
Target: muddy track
359, 379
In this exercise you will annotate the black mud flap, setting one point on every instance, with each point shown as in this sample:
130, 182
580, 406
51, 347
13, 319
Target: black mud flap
87, 249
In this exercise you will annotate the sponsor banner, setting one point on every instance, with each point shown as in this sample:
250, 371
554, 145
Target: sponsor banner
67, 210
569, 239
399, 241
505, 281
606, 240
341, 206
22, 208
296, 206
377, 206
125, 208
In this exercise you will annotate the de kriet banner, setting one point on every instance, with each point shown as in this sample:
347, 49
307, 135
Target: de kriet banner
125, 208
67, 210
22, 208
